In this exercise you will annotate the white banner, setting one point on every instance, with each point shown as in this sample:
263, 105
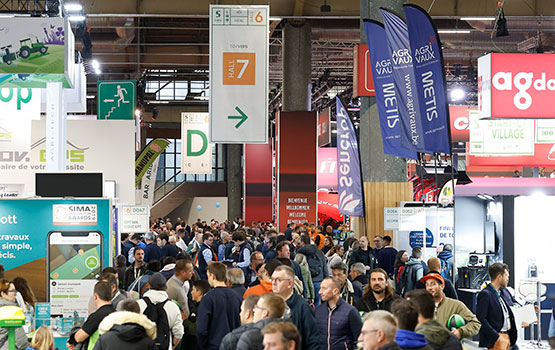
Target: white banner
92, 146
15, 135
133, 218
11, 191
20, 103
196, 150
412, 219
145, 195
503, 137
239, 73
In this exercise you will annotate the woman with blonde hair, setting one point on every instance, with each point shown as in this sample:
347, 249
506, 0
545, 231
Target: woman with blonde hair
42, 340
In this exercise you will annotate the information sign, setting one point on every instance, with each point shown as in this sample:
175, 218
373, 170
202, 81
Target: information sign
501, 137
116, 99
196, 150
239, 74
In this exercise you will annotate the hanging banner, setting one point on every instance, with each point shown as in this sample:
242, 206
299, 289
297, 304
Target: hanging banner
430, 78
196, 150
362, 73
145, 194
15, 135
324, 128
386, 97
351, 200
151, 151
327, 168
412, 133
257, 182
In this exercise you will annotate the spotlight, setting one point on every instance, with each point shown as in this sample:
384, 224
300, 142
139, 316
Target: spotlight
74, 7
77, 18
138, 112
457, 94
95, 64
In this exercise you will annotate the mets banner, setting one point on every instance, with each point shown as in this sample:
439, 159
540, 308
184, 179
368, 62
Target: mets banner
386, 97
412, 135
350, 187
430, 79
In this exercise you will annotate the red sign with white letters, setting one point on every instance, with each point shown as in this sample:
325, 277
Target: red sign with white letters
514, 85
362, 72
460, 122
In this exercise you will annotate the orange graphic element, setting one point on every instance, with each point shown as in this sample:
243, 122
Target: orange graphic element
81, 251
75, 270
238, 68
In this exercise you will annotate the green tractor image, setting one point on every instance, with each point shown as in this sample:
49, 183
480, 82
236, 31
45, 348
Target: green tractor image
27, 48
7, 56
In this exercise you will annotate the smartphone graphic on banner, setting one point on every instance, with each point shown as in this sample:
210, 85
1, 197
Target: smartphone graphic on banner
74, 261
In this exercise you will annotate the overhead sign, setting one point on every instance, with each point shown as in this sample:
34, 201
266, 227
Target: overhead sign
411, 219
133, 218
460, 122
324, 128
512, 85
239, 74
362, 72
116, 99
20, 103
147, 157
35, 51
196, 149
501, 137
327, 167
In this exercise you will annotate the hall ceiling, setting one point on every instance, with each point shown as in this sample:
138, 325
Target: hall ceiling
133, 37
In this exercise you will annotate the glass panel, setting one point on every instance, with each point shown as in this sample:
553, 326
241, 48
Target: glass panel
180, 178
177, 145
160, 174
169, 173
220, 175
190, 178
170, 160
221, 155
178, 160
211, 177
171, 147
162, 162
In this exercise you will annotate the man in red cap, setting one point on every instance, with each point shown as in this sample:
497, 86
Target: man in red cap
447, 307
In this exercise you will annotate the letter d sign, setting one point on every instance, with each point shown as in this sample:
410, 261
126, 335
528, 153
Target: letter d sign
195, 143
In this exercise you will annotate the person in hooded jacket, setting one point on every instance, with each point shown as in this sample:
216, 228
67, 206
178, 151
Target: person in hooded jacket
126, 329
406, 315
438, 337
7, 297
414, 270
447, 261
316, 262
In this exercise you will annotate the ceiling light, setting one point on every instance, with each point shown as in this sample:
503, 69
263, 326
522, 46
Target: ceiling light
477, 18
453, 31
73, 7
457, 94
95, 64
76, 18
90, 97
138, 113
98, 71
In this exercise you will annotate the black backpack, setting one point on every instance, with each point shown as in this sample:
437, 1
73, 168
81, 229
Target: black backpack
157, 314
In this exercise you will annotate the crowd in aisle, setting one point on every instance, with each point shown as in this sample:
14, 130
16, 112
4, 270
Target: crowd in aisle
212, 285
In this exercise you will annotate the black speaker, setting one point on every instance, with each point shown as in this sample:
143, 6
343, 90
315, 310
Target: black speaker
472, 277
68, 184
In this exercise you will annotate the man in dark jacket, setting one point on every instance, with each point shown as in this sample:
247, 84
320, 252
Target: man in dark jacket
130, 243
498, 322
316, 263
301, 313
167, 249
434, 265
269, 308
439, 337
358, 275
447, 261
386, 255
378, 294
218, 311
126, 330
339, 323
229, 342
363, 255
414, 270
152, 250
406, 314
348, 292
136, 270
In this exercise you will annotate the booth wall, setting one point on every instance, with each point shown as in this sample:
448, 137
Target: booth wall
470, 216
209, 209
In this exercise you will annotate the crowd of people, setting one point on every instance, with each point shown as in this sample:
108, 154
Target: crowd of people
227, 285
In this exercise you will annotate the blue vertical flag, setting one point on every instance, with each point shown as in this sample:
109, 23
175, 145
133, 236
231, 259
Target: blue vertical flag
412, 135
351, 200
430, 78
386, 97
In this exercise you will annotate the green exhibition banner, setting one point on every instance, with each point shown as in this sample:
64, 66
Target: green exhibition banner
59, 246
151, 151
35, 51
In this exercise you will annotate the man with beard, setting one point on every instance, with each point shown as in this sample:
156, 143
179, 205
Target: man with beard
378, 295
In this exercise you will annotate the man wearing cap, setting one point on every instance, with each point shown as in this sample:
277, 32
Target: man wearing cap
156, 295
447, 307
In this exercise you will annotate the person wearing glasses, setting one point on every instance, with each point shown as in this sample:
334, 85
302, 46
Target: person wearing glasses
7, 293
301, 313
378, 331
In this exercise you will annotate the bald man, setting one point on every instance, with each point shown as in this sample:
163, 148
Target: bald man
434, 266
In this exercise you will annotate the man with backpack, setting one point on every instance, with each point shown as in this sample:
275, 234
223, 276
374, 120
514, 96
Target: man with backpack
414, 270
447, 260
156, 305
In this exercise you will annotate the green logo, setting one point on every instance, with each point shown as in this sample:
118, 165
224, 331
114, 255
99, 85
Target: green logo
92, 262
190, 152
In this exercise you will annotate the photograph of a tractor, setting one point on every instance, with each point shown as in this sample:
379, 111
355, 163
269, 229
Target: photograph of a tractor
27, 48
7, 56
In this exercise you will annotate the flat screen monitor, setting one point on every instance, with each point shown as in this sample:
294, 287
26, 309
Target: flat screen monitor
68, 184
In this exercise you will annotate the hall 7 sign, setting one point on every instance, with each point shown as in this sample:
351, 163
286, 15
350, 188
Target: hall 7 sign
239, 74
512, 85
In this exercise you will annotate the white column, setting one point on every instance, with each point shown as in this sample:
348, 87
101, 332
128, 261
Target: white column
55, 128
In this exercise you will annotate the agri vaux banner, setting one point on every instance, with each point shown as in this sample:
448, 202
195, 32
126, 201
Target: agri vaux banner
348, 176
386, 96
416, 67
